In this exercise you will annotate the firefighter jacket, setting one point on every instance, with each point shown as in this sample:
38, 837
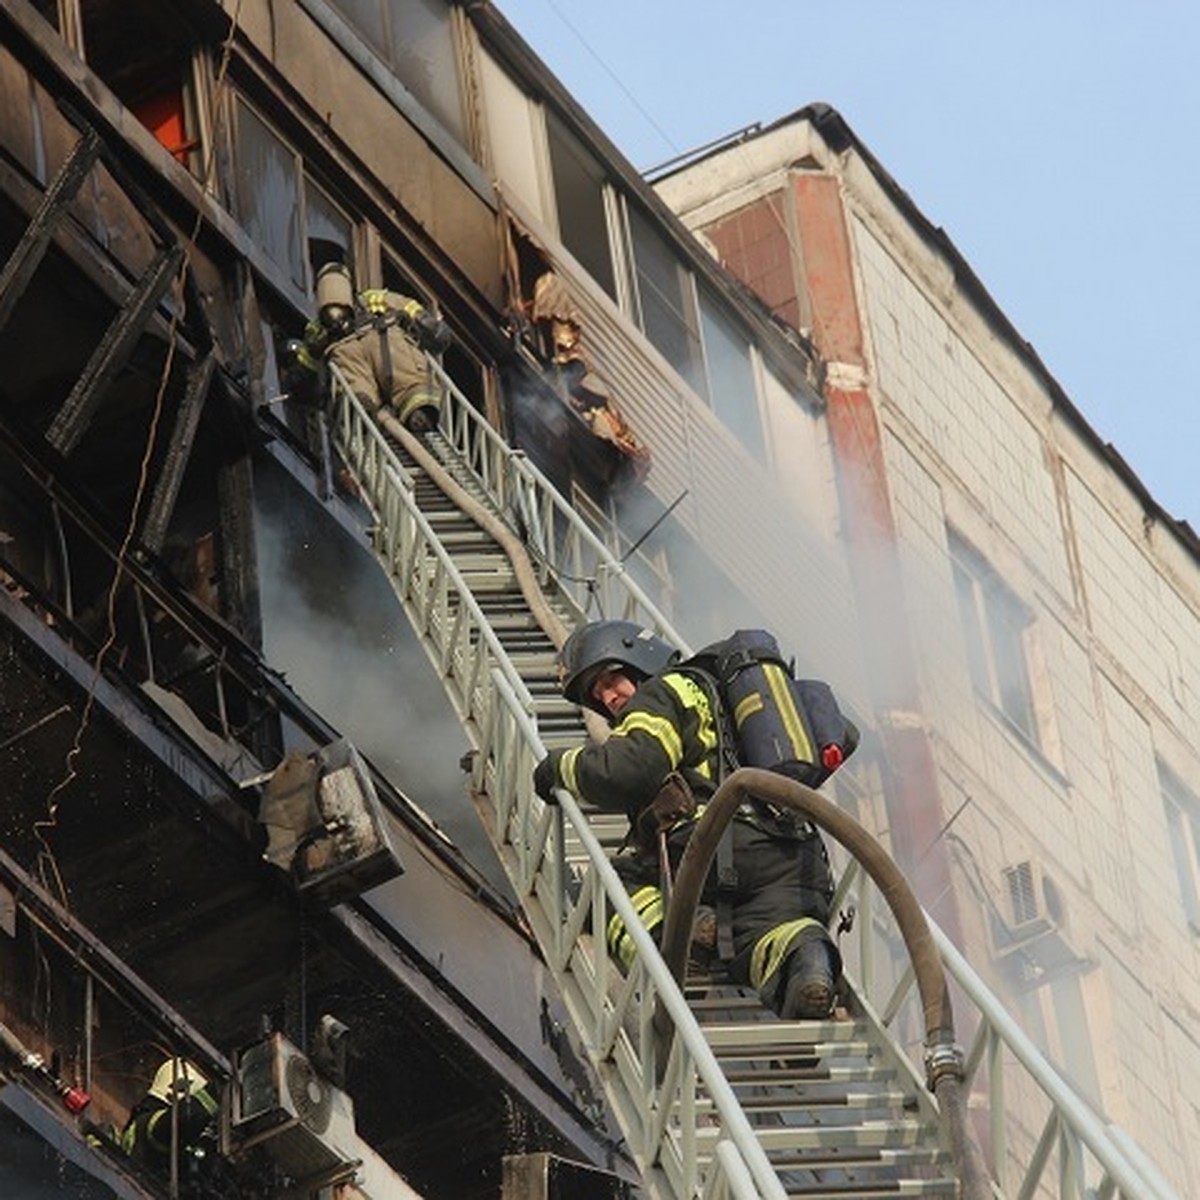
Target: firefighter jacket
670, 726
667, 725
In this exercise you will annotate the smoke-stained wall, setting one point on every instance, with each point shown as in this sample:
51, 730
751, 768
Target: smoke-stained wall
334, 627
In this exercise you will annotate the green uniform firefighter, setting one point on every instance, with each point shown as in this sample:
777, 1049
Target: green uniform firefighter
378, 341
778, 890
180, 1105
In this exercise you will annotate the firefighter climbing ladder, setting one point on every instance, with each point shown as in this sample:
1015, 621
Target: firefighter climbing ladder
736, 1103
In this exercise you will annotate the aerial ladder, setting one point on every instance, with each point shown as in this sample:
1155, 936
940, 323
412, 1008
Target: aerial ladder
715, 1096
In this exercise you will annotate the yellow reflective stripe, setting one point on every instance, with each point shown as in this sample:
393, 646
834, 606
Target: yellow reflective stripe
375, 300
649, 905
781, 693
772, 948
746, 708
692, 695
207, 1101
661, 729
566, 769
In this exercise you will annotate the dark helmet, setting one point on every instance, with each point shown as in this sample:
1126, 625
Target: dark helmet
604, 645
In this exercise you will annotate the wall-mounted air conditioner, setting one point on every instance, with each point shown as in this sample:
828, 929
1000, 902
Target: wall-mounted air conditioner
1034, 906
1029, 912
300, 1119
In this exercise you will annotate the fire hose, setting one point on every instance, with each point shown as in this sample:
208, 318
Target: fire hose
74, 1099
943, 1058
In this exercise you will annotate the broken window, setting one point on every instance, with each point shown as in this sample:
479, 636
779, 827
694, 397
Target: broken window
995, 625
415, 38
144, 53
289, 217
330, 230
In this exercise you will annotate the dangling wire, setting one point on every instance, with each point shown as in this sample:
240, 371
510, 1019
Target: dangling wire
48, 869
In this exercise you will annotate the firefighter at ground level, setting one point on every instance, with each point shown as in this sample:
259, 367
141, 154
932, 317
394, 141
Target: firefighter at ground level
181, 1103
377, 341
662, 752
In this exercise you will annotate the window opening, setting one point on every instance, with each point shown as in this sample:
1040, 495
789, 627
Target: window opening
330, 231
1182, 810
145, 57
994, 625
292, 219
579, 183
397, 278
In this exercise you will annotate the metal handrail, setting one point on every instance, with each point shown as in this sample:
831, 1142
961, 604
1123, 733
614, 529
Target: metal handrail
614, 1015
584, 568
1074, 1155
655, 1100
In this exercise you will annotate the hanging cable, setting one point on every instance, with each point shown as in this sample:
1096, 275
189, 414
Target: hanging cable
47, 863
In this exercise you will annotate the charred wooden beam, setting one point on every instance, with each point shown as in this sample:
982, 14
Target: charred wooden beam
71, 421
31, 248
239, 560
166, 491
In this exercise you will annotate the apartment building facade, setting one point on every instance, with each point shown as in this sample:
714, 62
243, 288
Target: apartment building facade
174, 175
1047, 604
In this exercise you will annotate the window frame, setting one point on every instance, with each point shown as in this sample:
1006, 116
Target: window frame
304, 179
1181, 811
986, 606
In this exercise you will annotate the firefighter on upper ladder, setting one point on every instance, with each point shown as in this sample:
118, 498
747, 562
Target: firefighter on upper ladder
378, 341
772, 894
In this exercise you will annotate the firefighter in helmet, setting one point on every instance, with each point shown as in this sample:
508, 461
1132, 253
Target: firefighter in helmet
662, 757
180, 1104
378, 341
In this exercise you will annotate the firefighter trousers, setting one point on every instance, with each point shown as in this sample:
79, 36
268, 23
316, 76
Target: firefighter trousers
780, 889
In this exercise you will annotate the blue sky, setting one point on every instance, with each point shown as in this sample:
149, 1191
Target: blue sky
1055, 141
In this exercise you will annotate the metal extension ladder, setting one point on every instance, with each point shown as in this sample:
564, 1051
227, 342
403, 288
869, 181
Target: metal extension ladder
738, 1103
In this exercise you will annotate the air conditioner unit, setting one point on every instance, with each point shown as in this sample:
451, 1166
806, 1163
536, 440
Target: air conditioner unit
299, 1118
1030, 911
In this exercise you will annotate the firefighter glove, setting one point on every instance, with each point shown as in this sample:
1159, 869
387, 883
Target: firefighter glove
431, 332
545, 779
673, 802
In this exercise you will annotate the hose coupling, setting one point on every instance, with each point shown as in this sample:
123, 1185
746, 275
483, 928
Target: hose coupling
945, 1058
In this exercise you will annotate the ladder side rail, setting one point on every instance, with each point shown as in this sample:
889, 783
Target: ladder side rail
627, 1061
1074, 1139
1084, 1128
446, 616
564, 542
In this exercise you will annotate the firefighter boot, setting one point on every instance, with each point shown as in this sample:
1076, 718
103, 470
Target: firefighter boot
807, 988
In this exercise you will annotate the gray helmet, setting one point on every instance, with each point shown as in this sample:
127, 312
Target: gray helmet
603, 645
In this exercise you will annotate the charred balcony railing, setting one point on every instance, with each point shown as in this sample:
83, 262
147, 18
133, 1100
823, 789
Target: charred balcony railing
657, 1091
